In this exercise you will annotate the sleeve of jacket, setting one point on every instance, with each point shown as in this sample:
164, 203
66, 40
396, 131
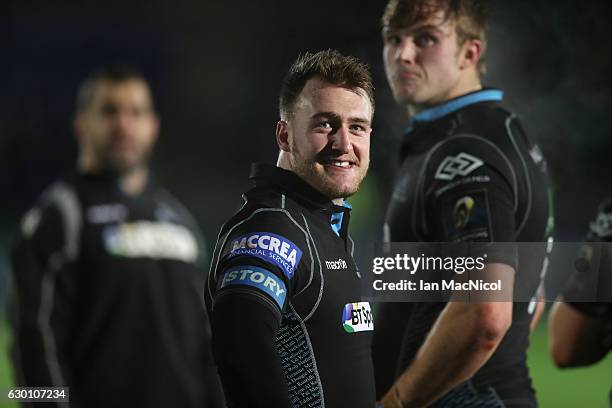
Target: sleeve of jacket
42, 305
589, 289
262, 264
469, 196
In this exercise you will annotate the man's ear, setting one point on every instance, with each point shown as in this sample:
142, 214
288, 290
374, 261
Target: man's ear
471, 53
156, 127
282, 135
78, 126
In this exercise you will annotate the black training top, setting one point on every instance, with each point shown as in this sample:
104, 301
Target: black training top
590, 289
288, 325
108, 298
469, 173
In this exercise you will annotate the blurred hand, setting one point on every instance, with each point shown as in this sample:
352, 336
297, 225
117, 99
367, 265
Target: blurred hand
392, 399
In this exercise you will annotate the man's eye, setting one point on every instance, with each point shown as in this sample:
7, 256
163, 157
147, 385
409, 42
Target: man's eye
424, 40
357, 128
138, 112
324, 125
392, 39
108, 110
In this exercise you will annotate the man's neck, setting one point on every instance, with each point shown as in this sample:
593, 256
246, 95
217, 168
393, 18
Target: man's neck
134, 182
461, 88
131, 182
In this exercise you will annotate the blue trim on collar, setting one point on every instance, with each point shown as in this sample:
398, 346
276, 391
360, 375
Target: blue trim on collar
336, 218
454, 105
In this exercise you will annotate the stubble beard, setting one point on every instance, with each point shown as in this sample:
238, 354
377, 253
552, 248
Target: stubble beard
313, 173
114, 163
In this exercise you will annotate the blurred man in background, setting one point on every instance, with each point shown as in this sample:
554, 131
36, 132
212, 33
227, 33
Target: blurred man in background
289, 327
581, 321
468, 174
107, 269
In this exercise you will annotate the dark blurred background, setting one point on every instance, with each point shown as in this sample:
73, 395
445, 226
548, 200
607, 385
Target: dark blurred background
216, 66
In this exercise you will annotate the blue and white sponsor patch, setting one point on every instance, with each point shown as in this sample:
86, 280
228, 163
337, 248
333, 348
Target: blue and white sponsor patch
256, 277
357, 317
268, 247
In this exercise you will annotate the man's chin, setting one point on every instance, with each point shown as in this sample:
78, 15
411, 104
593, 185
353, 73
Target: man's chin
334, 191
406, 99
406, 96
331, 185
127, 161
122, 166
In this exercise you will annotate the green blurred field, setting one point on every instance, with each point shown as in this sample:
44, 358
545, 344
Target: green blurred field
6, 372
582, 387
585, 388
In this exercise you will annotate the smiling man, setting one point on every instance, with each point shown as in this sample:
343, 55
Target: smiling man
289, 327
468, 173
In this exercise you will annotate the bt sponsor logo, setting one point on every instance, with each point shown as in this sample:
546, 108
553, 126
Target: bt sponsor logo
357, 317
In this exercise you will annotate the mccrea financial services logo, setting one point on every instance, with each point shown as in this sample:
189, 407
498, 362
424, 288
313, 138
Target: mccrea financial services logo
272, 248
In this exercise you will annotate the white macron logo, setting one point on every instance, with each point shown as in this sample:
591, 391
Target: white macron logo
460, 165
339, 264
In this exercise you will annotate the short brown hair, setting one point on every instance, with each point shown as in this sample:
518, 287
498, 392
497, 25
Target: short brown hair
330, 66
112, 73
471, 18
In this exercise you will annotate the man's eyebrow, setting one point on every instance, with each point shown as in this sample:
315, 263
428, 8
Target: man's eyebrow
359, 120
412, 30
330, 115
335, 117
424, 27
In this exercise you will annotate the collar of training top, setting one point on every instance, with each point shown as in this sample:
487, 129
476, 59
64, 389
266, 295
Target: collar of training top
265, 174
109, 181
453, 105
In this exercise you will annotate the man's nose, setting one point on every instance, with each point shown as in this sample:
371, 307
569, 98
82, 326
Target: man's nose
406, 51
123, 120
341, 141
